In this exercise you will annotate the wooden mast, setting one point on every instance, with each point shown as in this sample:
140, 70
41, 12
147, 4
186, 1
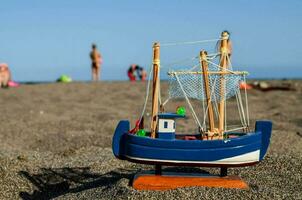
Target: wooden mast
156, 65
224, 64
204, 66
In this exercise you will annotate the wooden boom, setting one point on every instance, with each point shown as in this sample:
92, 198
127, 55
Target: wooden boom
204, 66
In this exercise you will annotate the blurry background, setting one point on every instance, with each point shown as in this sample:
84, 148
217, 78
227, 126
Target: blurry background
40, 40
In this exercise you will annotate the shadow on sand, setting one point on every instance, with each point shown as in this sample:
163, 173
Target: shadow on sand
55, 182
52, 183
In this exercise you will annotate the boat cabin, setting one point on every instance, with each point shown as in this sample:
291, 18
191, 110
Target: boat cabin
166, 125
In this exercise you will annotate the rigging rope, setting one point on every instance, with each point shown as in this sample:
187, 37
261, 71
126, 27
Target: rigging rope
189, 103
247, 122
212, 56
239, 111
159, 90
221, 67
147, 95
246, 104
179, 62
194, 67
225, 116
211, 94
165, 102
241, 107
191, 42
235, 129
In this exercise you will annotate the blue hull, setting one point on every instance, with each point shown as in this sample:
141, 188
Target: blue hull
244, 150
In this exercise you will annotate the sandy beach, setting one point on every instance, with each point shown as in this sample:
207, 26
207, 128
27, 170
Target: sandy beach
55, 142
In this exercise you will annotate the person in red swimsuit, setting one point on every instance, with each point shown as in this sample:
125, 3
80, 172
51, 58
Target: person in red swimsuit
131, 72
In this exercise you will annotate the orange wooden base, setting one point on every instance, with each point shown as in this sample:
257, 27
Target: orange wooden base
172, 181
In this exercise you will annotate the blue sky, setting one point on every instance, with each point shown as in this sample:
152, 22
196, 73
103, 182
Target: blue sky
41, 40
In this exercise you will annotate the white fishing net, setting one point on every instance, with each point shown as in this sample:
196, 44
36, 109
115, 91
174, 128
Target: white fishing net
192, 85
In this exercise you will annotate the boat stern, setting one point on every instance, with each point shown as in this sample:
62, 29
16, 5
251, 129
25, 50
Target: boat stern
265, 127
122, 128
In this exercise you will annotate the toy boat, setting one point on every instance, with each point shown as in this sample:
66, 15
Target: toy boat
213, 144
247, 149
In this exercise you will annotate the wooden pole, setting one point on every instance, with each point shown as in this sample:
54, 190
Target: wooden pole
156, 65
224, 64
204, 66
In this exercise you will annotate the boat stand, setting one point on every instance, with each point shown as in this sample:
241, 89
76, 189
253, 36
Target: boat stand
159, 180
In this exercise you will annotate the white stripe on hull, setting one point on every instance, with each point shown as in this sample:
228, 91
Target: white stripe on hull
236, 160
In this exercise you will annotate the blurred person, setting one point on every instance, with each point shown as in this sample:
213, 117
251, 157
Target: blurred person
96, 61
131, 72
5, 75
142, 74
136, 71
